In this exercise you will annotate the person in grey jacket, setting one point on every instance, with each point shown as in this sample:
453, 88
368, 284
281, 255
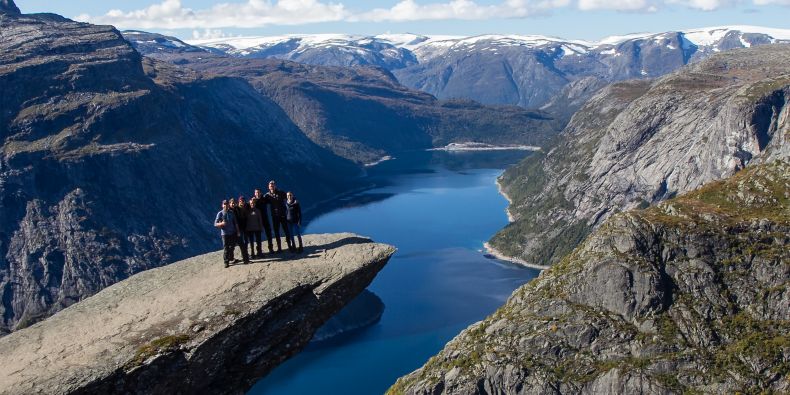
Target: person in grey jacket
254, 228
229, 229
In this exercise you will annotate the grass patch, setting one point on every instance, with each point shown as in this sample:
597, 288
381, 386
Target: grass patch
157, 346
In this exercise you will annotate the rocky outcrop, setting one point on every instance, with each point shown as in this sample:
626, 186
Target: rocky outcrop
689, 296
111, 163
192, 326
640, 142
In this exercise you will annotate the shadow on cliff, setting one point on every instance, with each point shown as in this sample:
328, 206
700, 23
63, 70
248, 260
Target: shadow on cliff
309, 251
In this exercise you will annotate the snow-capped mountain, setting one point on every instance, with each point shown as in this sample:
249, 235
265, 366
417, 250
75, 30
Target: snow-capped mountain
527, 70
322, 49
425, 48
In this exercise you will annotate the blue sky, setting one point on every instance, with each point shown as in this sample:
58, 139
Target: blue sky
573, 19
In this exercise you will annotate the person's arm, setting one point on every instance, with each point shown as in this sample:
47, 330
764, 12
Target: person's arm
218, 222
298, 214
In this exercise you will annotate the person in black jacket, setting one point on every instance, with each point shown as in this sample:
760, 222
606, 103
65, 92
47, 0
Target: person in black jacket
241, 214
235, 210
294, 217
276, 199
261, 202
253, 228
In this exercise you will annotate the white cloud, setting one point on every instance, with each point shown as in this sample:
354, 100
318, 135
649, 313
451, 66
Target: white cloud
705, 5
208, 34
170, 14
411, 10
618, 5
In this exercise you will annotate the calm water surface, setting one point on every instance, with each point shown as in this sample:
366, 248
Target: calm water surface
437, 208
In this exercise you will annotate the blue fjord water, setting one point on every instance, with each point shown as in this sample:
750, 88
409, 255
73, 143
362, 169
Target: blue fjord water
437, 208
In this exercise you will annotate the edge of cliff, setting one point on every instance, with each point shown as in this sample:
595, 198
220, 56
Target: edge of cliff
192, 326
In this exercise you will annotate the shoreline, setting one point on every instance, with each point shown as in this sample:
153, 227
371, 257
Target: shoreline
510, 217
376, 162
490, 250
518, 261
463, 147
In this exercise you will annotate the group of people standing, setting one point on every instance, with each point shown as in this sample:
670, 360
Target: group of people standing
241, 223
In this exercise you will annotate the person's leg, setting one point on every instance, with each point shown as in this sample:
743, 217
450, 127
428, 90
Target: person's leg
276, 225
288, 238
290, 234
257, 236
232, 247
249, 236
243, 247
267, 227
227, 250
298, 231
243, 240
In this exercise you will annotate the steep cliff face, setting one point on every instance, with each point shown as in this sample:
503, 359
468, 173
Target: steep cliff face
361, 113
640, 142
688, 296
111, 163
192, 326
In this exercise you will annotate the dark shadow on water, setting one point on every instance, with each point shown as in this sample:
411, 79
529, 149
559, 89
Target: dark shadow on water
354, 200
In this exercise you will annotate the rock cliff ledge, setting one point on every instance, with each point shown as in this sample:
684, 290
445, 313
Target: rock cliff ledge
192, 326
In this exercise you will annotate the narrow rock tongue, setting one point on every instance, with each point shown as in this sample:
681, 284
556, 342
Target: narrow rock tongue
8, 7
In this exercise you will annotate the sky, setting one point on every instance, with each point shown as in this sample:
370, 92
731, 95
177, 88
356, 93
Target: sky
571, 19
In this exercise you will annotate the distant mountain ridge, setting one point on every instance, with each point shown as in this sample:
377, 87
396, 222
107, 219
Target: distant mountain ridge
360, 113
426, 47
524, 70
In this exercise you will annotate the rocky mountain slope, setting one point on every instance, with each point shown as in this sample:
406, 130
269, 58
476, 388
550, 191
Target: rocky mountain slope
112, 163
640, 142
688, 296
528, 71
360, 113
192, 326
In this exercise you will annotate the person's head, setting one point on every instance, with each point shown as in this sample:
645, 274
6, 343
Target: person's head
241, 201
224, 204
252, 202
257, 193
272, 186
290, 196
231, 203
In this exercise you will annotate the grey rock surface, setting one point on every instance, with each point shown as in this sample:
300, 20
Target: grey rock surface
689, 296
192, 326
637, 143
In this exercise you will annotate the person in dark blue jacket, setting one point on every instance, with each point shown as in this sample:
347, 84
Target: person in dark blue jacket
229, 229
294, 217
